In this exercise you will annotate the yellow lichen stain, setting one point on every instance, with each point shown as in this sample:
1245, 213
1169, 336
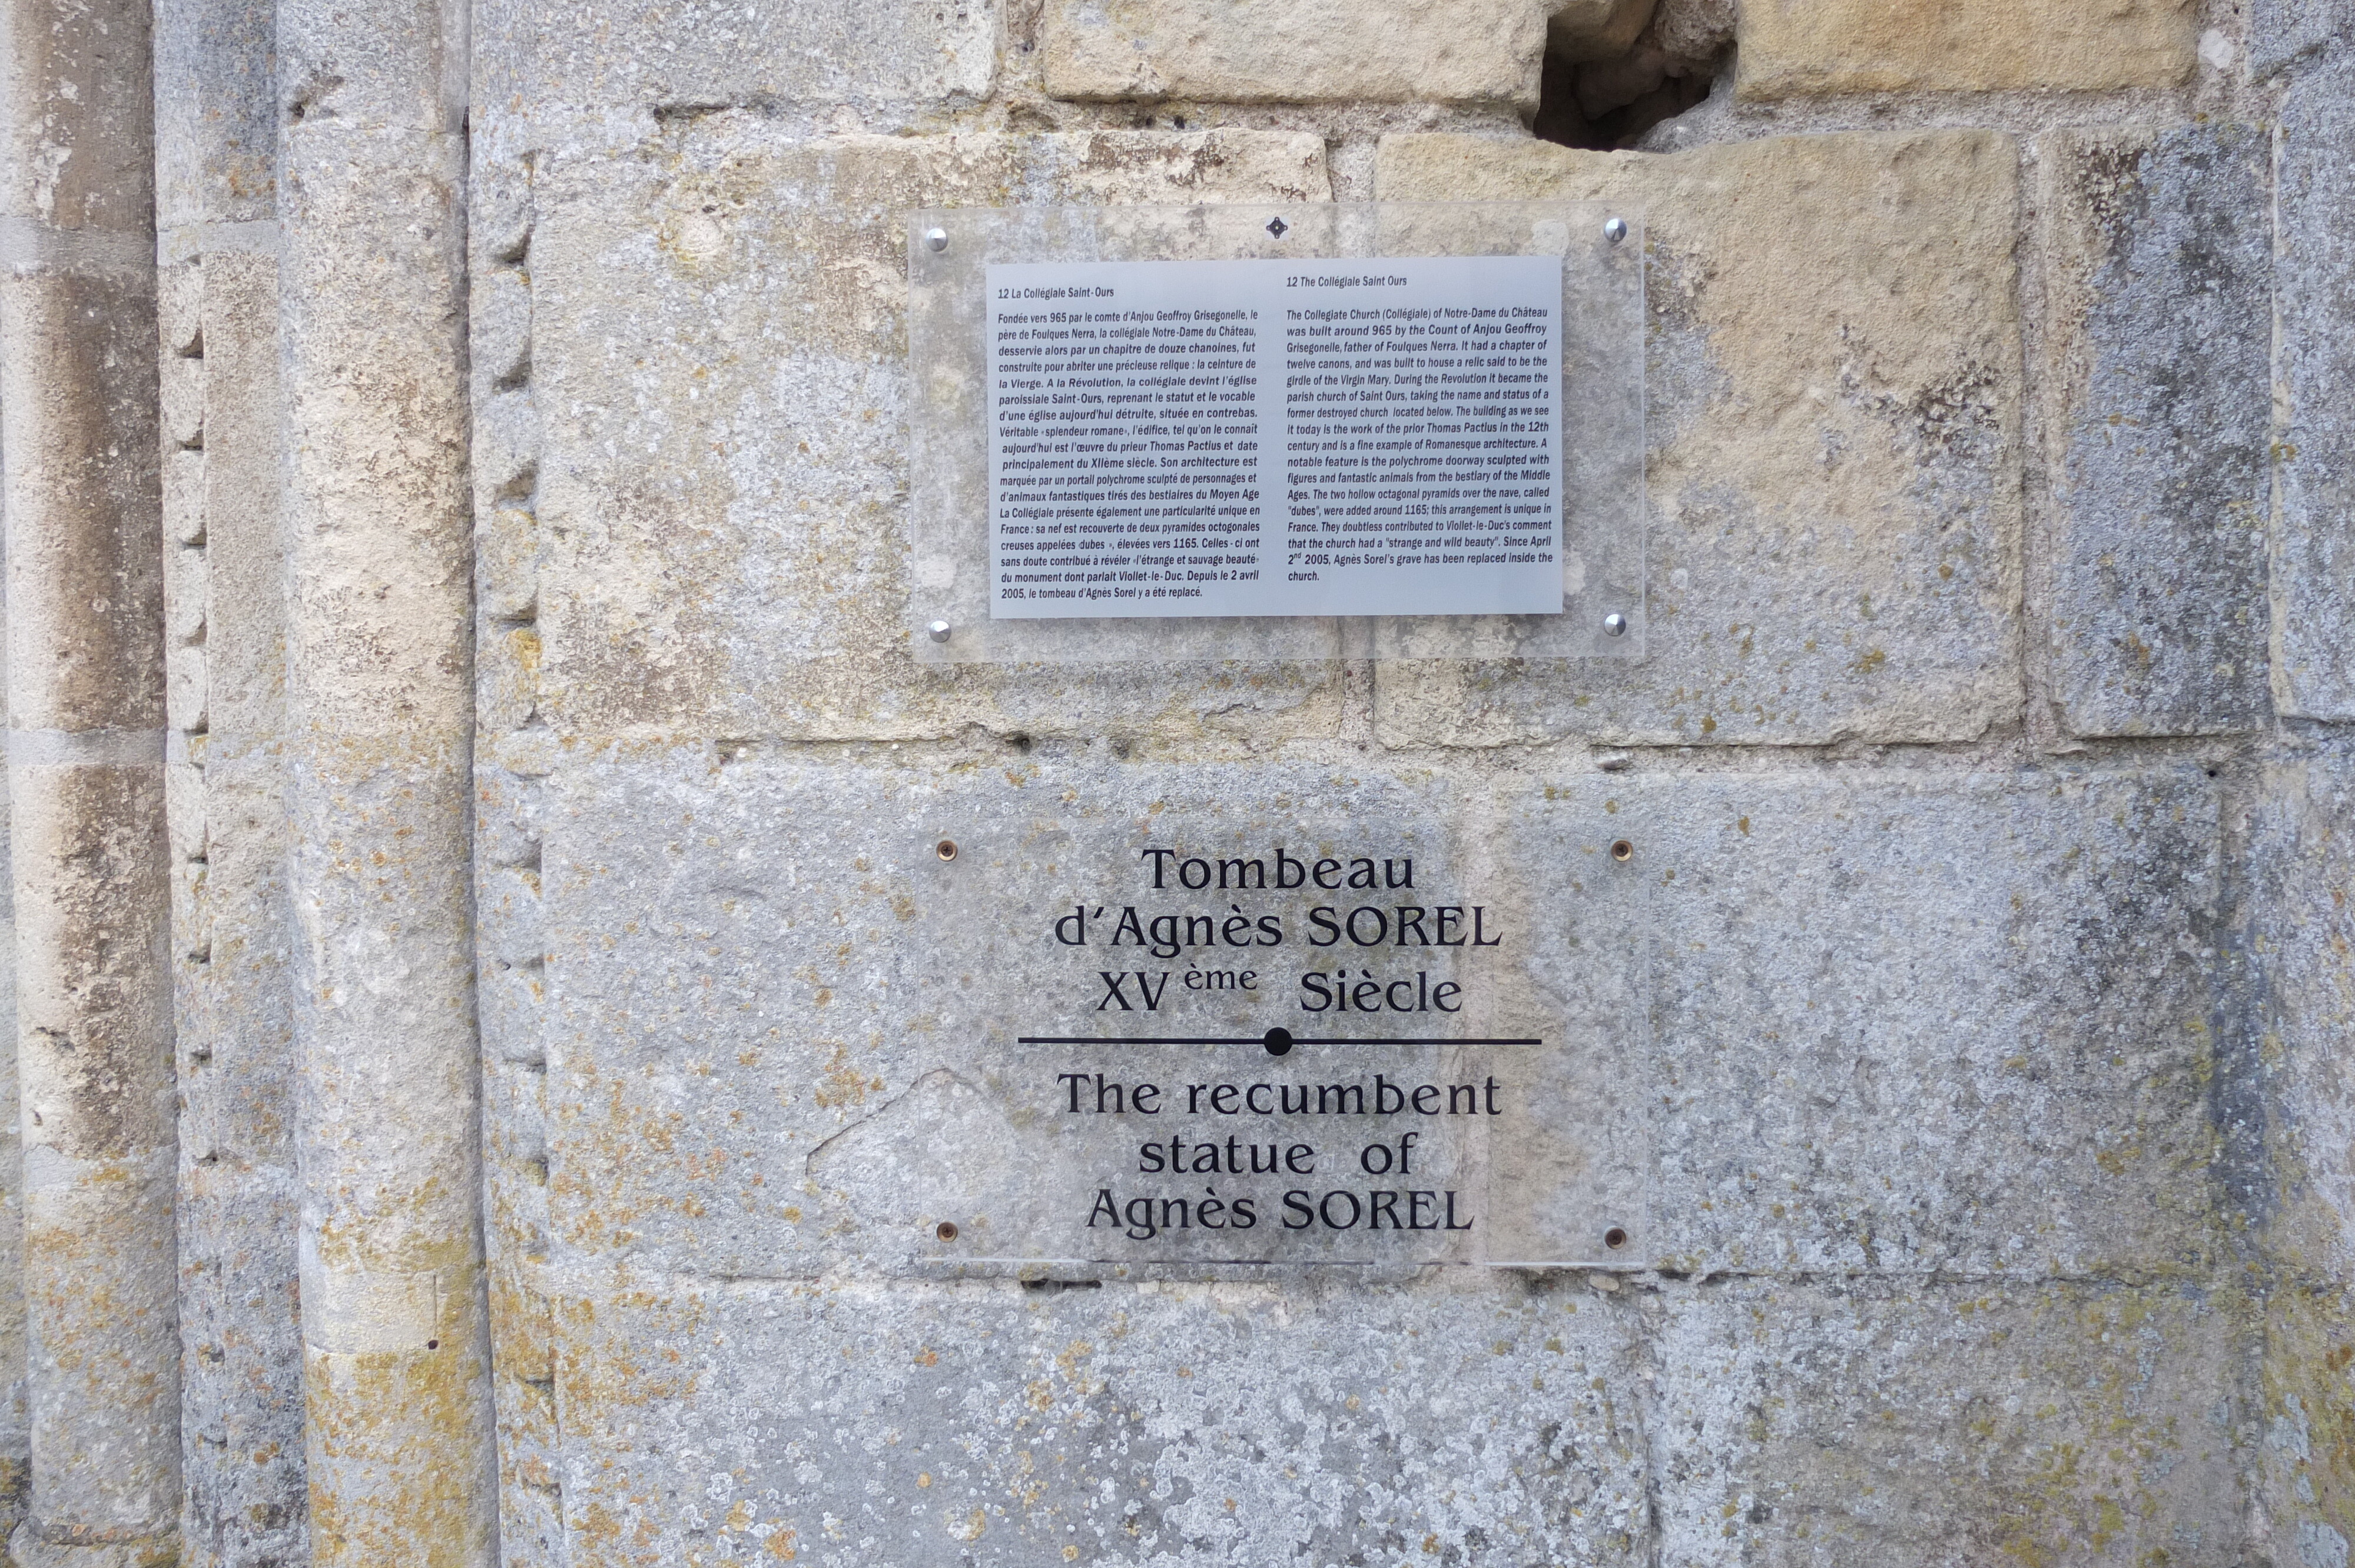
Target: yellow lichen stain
780, 1545
928, 1357
1871, 660
923, 1478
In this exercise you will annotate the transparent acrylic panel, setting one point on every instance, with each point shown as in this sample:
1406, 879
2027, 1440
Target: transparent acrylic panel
1599, 353
1445, 1063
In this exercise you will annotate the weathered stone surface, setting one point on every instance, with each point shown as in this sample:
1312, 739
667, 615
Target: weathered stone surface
1236, 51
1833, 390
239, 1188
216, 113
718, 364
2292, 1146
2314, 285
2302, 1484
1795, 46
1595, 29
2282, 31
534, 55
2159, 330
1922, 1024
377, 756
1858, 1052
1953, 1423
1473, 1420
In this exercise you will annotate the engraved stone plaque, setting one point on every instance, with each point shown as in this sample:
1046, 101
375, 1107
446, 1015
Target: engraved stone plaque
1215, 432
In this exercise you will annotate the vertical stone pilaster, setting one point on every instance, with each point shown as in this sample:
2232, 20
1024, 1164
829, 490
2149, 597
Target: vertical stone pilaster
379, 662
77, 392
242, 1368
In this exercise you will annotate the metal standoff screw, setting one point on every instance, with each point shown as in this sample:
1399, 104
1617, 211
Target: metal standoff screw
938, 238
939, 631
945, 849
1615, 1238
1622, 849
946, 1230
1614, 229
1614, 624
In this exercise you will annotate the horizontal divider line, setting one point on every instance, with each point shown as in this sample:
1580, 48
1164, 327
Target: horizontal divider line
1247, 1040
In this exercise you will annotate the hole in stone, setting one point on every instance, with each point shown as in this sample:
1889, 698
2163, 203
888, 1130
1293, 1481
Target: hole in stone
1615, 1238
1617, 70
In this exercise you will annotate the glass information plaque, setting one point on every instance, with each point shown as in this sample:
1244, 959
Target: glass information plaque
1279, 1032
1212, 432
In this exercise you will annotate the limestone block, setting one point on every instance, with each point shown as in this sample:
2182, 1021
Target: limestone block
1595, 29
184, 497
186, 582
372, 67
184, 807
719, 360
1235, 51
507, 564
533, 55
2302, 1467
2281, 31
2291, 1151
1833, 387
2064, 1423
216, 113
506, 450
183, 688
2159, 318
183, 391
500, 311
2313, 286
1924, 1023
1470, 1420
1790, 48
78, 387
180, 309
245, 626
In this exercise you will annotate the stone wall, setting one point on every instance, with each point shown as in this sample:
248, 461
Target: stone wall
530, 397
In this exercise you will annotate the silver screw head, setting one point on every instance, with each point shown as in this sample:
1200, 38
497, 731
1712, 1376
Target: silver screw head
1614, 624
938, 238
939, 629
1613, 231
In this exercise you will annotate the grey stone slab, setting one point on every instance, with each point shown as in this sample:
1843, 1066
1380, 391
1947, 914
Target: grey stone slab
2302, 1468
1832, 405
2314, 283
1935, 1023
1950, 1425
1477, 1422
2283, 31
2159, 339
2290, 1137
1922, 1024
216, 113
719, 361
533, 55
785, 1036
